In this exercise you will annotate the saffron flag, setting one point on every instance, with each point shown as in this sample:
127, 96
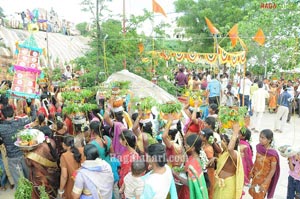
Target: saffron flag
157, 8
233, 35
260, 37
211, 27
141, 47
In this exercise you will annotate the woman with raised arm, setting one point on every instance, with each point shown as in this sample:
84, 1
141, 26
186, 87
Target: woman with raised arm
229, 173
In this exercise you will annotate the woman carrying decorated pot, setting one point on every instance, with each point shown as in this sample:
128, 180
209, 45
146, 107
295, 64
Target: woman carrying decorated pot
173, 140
194, 123
229, 179
142, 128
117, 119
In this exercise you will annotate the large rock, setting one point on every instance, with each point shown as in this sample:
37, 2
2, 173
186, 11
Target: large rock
141, 87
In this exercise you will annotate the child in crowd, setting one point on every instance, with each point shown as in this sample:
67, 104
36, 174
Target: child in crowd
294, 177
133, 183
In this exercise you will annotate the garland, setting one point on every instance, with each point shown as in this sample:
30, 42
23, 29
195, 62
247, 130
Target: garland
192, 57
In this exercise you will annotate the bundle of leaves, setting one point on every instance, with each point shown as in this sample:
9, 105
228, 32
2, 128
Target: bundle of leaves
147, 103
170, 107
121, 84
24, 189
228, 116
43, 193
72, 108
78, 96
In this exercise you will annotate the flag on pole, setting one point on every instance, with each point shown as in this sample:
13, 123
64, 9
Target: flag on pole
243, 44
233, 35
211, 27
157, 8
259, 37
141, 47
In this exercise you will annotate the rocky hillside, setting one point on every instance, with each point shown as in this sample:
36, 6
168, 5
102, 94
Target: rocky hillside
61, 48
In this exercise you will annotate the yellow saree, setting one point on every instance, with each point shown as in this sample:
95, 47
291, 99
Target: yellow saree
230, 187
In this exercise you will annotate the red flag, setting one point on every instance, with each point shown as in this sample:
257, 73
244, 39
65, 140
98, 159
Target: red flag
211, 27
259, 37
233, 35
157, 8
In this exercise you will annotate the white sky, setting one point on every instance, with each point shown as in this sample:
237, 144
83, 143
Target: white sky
70, 9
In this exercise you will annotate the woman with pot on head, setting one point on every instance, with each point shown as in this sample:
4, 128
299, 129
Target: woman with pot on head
229, 179
194, 123
70, 161
195, 185
173, 140
159, 181
94, 180
81, 130
142, 128
266, 169
117, 119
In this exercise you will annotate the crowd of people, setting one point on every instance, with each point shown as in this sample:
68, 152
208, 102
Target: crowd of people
46, 22
111, 152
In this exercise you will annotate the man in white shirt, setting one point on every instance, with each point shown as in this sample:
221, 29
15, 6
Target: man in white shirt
244, 91
258, 105
266, 85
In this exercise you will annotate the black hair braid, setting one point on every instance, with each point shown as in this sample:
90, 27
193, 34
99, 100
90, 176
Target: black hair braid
97, 128
76, 154
106, 150
180, 131
69, 141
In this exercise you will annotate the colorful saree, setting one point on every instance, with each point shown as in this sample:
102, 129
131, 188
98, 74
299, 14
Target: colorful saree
262, 167
119, 149
94, 180
273, 98
246, 155
196, 180
232, 186
43, 170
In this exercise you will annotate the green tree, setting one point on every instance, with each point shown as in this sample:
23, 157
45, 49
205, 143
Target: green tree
280, 26
82, 27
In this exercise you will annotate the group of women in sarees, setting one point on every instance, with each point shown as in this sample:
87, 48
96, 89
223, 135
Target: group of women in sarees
186, 157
